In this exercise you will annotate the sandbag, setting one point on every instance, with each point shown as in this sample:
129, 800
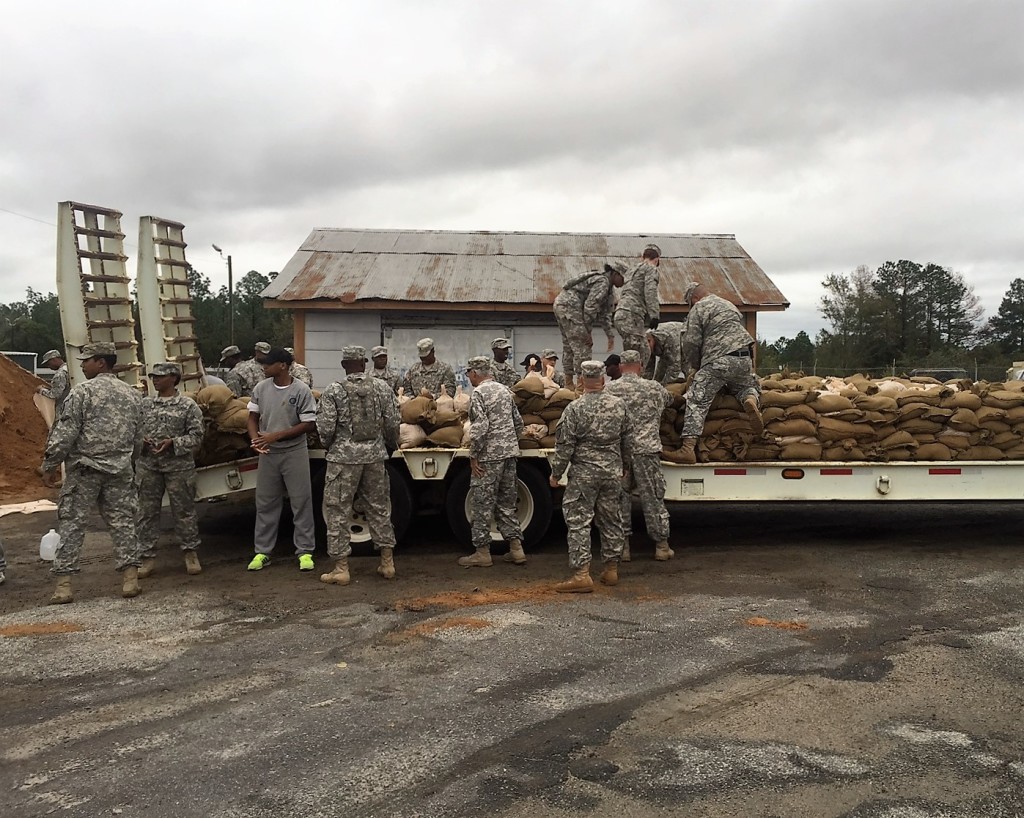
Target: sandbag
920, 426
981, 453
909, 411
442, 420
548, 442
723, 400
1005, 440
803, 411
530, 386
411, 435
535, 431
876, 403
550, 413
1004, 399
445, 402
801, 451
827, 402
771, 413
958, 441
898, 440
528, 443
466, 427
450, 437
962, 400
417, 410
831, 429
934, 451
781, 428
760, 451
553, 425
461, 401
963, 419
561, 399
534, 420
785, 398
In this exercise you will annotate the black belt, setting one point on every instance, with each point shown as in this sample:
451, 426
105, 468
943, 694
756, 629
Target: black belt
739, 353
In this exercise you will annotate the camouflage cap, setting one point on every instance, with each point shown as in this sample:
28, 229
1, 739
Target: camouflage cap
98, 348
230, 352
262, 347
353, 353
50, 354
592, 369
166, 368
548, 353
377, 351
425, 346
479, 363
629, 356
616, 267
500, 343
689, 291
653, 247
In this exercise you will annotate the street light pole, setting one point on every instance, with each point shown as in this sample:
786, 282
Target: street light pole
231, 298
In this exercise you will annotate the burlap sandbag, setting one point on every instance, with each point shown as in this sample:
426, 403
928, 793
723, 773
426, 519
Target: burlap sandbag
442, 420
963, 420
561, 399
417, 410
826, 402
669, 415
736, 425
1005, 440
1016, 453
528, 443
719, 455
1004, 399
862, 384
900, 454
962, 400
981, 437
461, 401
938, 414
909, 411
986, 413
534, 420
760, 451
879, 418
535, 431
876, 403
981, 453
1014, 386
723, 400
801, 451
803, 411
711, 427
849, 415
722, 414
449, 437
995, 426
898, 440
831, 429
548, 442
785, 398
466, 427
445, 402
411, 435
532, 405
553, 425
1015, 415
920, 426
789, 440
782, 428
671, 438
882, 432
213, 399
958, 441
934, 451
550, 413
933, 396
773, 413
834, 453
530, 386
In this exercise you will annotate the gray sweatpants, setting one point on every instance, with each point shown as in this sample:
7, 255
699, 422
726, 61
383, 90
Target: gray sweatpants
283, 473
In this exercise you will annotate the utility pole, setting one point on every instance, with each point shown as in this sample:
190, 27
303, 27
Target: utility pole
231, 297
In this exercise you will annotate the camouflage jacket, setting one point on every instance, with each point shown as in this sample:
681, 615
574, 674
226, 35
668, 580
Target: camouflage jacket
431, 378
334, 423
714, 327
590, 295
505, 374
100, 426
388, 375
299, 372
668, 347
249, 374
646, 401
593, 437
639, 294
178, 418
233, 382
59, 387
496, 424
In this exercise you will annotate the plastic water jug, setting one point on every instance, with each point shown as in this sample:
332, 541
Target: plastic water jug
48, 545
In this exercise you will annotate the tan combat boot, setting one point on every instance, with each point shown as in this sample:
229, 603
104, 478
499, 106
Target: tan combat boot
62, 594
753, 414
339, 576
610, 574
627, 556
192, 565
570, 382
579, 583
387, 563
515, 553
130, 582
662, 552
480, 558
146, 569
685, 455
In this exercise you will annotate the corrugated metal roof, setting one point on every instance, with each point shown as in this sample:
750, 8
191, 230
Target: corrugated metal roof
451, 267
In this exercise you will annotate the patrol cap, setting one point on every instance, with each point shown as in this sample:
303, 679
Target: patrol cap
229, 352
353, 353
49, 355
96, 349
690, 289
479, 363
592, 369
425, 346
616, 267
278, 355
629, 356
548, 353
262, 347
653, 247
500, 343
377, 351
166, 368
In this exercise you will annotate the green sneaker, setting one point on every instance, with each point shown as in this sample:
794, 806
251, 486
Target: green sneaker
258, 562
306, 562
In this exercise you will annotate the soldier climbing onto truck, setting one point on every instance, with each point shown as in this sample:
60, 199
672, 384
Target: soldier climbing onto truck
639, 306
584, 303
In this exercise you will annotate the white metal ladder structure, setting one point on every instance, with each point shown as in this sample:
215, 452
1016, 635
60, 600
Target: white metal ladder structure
165, 300
93, 288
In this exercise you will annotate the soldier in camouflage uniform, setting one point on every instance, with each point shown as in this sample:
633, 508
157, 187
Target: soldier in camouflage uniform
381, 368
502, 371
99, 429
666, 344
719, 348
430, 373
549, 362
250, 372
299, 371
593, 438
232, 357
494, 432
585, 302
639, 307
172, 431
358, 424
646, 400
60, 384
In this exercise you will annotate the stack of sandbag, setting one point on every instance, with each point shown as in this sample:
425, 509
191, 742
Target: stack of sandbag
541, 402
226, 419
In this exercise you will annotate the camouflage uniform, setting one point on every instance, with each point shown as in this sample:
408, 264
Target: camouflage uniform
58, 388
494, 442
301, 373
668, 347
638, 307
249, 374
593, 438
174, 471
718, 347
432, 378
357, 466
98, 431
505, 374
233, 381
646, 400
388, 375
585, 302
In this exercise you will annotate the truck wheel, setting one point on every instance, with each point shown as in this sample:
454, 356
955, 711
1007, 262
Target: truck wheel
533, 506
401, 514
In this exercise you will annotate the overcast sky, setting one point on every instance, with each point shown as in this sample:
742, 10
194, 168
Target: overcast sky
824, 135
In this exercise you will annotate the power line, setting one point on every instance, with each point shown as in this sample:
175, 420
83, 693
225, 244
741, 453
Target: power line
30, 218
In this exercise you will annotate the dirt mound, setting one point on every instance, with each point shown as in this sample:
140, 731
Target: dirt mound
22, 436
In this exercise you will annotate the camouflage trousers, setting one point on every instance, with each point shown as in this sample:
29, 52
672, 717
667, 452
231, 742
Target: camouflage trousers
343, 484
630, 327
735, 374
113, 495
647, 479
181, 492
597, 499
577, 343
493, 496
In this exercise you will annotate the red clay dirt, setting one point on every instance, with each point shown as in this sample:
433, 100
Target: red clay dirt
22, 436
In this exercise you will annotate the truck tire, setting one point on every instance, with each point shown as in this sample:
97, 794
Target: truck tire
533, 506
402, 510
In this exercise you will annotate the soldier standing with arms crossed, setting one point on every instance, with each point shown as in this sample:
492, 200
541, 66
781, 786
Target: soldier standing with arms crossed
585, 302
172, 431
358, 425
639, 307
495, 428
646, 400
593, 438
429, 373
99, 429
